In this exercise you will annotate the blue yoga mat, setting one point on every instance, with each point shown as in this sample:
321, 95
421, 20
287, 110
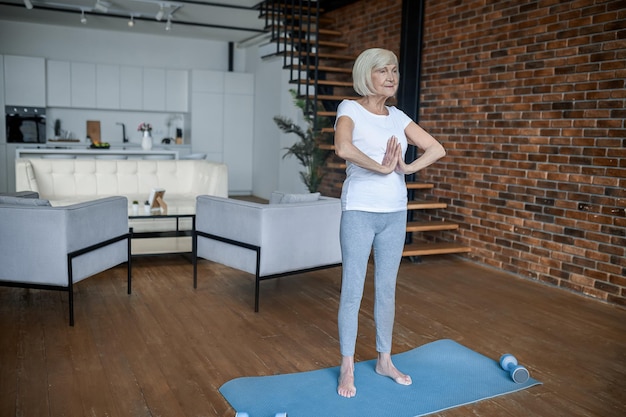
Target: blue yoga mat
445, 375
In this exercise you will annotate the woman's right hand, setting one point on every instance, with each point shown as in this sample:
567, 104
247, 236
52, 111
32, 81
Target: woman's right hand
392, 153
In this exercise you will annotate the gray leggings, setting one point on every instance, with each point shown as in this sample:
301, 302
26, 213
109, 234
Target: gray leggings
360, 231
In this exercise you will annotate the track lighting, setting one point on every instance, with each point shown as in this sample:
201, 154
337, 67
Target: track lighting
160, 13
166, 10
102, 6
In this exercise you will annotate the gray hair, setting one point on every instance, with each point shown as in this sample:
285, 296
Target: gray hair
367, 61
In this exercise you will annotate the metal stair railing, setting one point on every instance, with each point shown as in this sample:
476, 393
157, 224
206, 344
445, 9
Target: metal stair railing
299, 48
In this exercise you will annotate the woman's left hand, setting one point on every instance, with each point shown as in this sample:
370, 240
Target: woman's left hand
401, 166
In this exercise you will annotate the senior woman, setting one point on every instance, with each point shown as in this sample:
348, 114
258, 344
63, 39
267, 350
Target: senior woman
373, 137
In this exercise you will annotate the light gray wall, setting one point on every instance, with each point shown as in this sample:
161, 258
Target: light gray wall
272, 98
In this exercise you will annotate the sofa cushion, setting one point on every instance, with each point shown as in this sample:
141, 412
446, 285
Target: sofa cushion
88, 179
278, 197
20, 201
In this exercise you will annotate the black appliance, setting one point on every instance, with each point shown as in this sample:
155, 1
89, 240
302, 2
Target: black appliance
25, 124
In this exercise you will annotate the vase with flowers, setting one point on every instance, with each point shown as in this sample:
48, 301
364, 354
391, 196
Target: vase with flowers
146, 141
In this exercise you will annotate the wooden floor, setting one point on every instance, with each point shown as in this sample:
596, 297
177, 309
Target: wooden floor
166, 349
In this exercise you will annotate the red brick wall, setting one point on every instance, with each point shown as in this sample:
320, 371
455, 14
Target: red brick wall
370, 24
529, 99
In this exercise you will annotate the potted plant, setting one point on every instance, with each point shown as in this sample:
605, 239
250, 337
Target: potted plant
307, 149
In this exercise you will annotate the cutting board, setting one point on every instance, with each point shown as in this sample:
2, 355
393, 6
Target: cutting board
93, 130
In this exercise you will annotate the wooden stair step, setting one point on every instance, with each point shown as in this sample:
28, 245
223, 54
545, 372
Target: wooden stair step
330, 56
320, 68
430, 226
334, 83
424, 205
326, 146
336, 165
324, 113
306, 28
328, 68
422, 249
327, 130
333, 97
320, 42
419, 185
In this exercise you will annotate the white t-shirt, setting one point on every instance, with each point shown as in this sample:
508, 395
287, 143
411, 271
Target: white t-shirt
363, 189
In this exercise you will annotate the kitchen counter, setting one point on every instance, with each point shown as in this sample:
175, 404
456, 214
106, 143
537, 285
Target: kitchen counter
115, 152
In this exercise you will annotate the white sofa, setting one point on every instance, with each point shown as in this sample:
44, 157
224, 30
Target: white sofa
292, 234
70, 181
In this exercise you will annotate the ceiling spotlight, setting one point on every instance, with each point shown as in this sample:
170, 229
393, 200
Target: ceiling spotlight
102, 6
28, 4
83, 19
160, 13
168, 25
131, 22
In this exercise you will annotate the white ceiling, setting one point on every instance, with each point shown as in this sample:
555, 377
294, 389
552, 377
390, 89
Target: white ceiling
220, 20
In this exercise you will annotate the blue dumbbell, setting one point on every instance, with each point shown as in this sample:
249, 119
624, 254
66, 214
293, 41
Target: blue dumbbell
244, 414
518, 373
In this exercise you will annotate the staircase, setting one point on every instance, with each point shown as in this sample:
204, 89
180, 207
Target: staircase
321, 72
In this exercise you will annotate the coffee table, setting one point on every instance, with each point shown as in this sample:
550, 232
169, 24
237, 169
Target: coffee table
155, 233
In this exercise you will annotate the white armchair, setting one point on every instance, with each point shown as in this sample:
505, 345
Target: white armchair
267, 240
53, 248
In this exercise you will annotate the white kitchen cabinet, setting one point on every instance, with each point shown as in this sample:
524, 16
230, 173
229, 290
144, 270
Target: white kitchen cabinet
238, 83
4, 182
114, 87
107, 86
238, 129
222, 117
177, 91
58, 84
3, 136
206, 81
207, 129
238, 111
153, 89
24, 81
83, 84
207, 113
131, 88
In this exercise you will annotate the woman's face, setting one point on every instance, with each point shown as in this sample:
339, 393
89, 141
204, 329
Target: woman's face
385, 80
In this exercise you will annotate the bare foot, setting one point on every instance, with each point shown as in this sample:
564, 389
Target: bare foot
345, 386
385, 367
